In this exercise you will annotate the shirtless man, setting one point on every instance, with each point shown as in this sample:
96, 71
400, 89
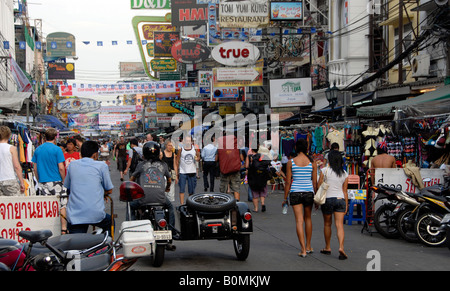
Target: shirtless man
382, 160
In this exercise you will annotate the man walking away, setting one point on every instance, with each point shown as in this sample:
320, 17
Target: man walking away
50, 171
209, 156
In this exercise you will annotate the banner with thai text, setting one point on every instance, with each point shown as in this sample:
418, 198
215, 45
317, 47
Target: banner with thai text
84, 90
28, 213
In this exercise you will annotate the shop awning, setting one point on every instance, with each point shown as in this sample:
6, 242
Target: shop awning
435, 102
13, 100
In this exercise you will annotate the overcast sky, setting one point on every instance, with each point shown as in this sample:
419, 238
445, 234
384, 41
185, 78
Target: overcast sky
93, 20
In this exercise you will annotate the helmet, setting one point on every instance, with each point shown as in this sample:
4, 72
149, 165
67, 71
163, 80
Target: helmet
151, 150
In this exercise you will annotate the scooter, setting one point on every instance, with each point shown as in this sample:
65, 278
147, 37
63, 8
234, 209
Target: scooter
71, 252
204, 216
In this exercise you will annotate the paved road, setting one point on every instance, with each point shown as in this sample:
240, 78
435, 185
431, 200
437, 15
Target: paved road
274, 246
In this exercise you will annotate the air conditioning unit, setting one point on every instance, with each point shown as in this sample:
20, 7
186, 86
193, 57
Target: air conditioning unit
420, 66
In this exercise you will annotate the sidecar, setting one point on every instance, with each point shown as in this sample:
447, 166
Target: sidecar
217, 216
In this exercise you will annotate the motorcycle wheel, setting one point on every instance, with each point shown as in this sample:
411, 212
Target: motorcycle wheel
448, 238
427, 230
406, 228
242, 246
158, 257
384, 221
215, 202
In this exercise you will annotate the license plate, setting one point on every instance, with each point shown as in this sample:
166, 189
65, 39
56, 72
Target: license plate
163, 235
446, 219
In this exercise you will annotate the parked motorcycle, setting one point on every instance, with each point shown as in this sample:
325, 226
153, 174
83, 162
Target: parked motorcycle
71, 252
387, 215
445, 227
205, 216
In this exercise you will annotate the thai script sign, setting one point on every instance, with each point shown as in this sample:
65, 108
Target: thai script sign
28, 213
253, 13
226, 77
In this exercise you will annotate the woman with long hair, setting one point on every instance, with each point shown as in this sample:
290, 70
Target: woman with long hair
336, 202
301, 184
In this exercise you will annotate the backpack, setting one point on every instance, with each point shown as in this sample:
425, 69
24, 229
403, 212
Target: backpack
258, 172
135, 160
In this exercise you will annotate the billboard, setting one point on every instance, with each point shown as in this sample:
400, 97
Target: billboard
289, 11
248, 13
188, 13
61, 71
61, 44
290, 92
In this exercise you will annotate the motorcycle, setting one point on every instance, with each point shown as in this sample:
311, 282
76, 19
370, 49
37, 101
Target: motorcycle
428, 217
70, 252
389, 214
445, 227
204, 216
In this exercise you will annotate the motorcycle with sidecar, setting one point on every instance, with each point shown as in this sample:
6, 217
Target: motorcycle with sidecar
204, 216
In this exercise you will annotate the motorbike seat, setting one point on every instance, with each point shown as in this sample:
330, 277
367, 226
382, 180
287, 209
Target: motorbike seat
36, 236
154, 204
76, 241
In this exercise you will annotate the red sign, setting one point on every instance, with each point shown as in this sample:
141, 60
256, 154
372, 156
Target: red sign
190, 52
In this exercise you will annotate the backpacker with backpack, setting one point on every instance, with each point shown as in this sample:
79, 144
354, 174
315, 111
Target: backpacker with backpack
258, 171
135, 160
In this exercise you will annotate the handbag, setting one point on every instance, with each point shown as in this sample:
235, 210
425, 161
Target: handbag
321, 194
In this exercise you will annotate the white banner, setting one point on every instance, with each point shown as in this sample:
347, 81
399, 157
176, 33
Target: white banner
116, 119
28, 213
117, 109
396, 178
23, 84
84, 90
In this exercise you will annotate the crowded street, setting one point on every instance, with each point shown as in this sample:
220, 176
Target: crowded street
229, 137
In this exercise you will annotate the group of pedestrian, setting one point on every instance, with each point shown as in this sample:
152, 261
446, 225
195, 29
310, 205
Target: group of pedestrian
301, 184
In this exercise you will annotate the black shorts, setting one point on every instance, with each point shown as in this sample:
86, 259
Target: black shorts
334, 205
305, 198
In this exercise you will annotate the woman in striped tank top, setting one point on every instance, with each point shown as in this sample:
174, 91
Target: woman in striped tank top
301, 184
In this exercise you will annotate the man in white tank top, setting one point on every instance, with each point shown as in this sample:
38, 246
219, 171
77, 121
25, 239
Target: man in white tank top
185, 167
9, 166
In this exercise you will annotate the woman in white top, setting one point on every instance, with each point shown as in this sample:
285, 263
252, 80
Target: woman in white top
336, 202
185, 167
9, 166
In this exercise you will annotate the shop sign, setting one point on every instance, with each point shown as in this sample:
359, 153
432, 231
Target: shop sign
150, 4
247, 14
236, 53
226, 77
396, 178
188, 13
77, 105
163, 65
61, 71
290, 92
190, 52
181, 108
230, 94
164, 41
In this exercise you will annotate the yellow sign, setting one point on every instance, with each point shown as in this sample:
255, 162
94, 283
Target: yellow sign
165, 107
163, 65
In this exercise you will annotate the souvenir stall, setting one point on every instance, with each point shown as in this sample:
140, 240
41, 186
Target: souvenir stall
26, 140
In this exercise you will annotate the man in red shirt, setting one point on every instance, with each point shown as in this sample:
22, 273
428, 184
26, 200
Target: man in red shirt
71, 154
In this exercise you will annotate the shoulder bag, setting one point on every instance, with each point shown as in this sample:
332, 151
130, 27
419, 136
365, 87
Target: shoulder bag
321, 194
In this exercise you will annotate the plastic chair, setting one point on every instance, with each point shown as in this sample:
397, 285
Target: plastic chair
354, 180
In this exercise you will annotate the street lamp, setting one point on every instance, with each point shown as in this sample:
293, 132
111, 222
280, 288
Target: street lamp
332, 96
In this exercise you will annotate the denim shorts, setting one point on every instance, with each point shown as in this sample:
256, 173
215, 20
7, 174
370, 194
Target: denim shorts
191, 180
305, 198
333, 205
